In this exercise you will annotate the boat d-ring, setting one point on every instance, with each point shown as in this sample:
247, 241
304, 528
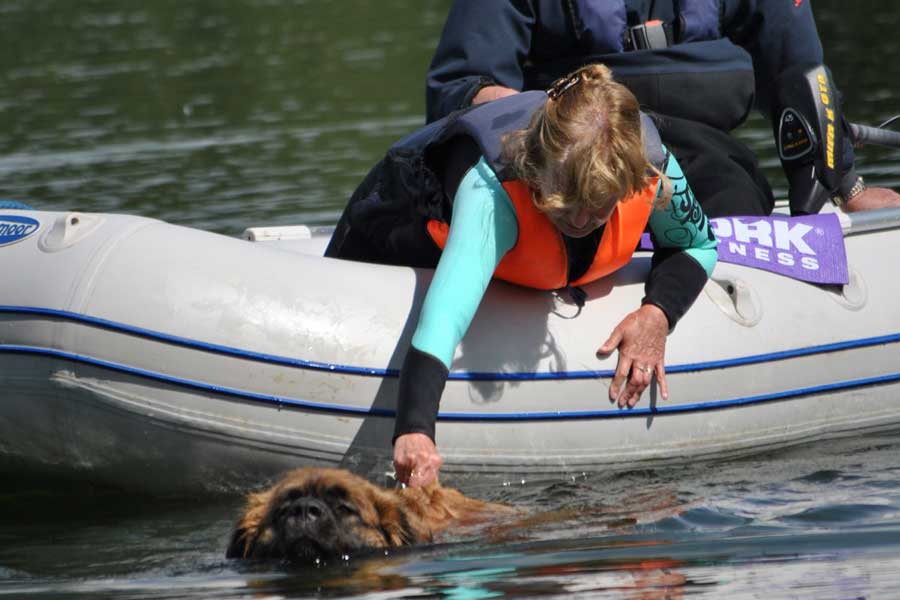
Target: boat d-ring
735, 298
853, 295
68, 230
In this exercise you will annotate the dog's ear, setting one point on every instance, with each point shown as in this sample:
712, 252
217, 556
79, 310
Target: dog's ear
237, 547
247, 530
399, 525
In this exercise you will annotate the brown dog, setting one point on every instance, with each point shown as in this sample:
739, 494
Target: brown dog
321, 513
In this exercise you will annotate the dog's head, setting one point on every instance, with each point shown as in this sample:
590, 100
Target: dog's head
320, 513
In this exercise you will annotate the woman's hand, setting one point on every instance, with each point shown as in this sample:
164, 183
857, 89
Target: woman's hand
873, 198
492, 92
641, 340
416, 459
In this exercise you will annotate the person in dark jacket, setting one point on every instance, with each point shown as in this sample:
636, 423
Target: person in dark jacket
699, 65
545, 190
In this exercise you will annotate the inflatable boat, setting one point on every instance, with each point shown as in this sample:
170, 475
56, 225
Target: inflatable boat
157, 357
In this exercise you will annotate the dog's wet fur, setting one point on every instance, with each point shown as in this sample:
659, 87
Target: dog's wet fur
314, 513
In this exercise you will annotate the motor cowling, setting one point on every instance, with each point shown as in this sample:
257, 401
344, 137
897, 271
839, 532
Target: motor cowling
809, 132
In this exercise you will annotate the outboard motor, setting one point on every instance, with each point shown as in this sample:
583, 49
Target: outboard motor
810, 138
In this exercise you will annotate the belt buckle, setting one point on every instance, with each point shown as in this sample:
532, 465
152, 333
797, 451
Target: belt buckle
648, 36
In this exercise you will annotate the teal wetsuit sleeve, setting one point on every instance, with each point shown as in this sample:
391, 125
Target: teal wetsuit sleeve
483, 228
682, 223
685, 248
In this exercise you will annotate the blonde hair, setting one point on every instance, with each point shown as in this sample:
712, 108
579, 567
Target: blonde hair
584, 147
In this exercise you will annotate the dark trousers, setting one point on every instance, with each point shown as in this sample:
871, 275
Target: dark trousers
385, 220
723, 172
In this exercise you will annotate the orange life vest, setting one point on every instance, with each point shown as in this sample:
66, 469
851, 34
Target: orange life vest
539, 259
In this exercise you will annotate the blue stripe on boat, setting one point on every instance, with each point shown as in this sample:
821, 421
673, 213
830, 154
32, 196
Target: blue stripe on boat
14, 205
459, 416
454, 375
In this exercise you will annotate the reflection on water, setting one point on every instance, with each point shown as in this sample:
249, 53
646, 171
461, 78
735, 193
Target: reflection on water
226, 114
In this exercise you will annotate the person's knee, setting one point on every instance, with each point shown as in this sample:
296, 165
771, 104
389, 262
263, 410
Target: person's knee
724, 187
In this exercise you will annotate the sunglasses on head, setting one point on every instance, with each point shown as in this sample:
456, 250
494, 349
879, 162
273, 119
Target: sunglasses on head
563, 85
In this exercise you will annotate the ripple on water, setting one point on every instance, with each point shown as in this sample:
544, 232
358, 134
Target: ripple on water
845, 513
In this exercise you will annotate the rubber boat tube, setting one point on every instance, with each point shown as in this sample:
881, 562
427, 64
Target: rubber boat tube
168, 359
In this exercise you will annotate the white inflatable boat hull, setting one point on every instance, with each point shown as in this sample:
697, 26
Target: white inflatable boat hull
151, 356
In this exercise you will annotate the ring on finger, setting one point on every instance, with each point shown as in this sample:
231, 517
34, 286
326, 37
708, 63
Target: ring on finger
644, 369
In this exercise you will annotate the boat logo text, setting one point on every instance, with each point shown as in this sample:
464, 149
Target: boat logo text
768, 240
14, 228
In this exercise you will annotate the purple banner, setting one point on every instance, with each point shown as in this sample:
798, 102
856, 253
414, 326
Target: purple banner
809, 248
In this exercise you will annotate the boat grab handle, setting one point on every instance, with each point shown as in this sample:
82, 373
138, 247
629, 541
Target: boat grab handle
735, 298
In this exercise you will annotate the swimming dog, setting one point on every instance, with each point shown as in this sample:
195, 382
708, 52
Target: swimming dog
317, 513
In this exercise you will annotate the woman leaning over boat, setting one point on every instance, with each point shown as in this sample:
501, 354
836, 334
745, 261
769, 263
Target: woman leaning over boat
546, 190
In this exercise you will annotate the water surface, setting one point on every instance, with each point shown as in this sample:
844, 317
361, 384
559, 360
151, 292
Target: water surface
816, 522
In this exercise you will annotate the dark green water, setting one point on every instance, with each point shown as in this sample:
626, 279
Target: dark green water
221, 114
816, 522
